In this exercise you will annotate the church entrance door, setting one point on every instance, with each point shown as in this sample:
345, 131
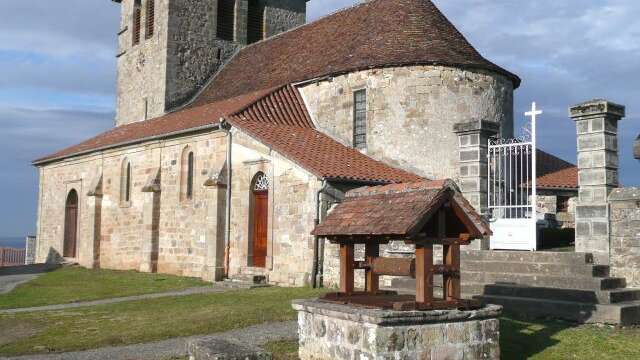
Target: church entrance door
260, 222
71, 225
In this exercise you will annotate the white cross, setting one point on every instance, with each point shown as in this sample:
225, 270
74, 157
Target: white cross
534, 112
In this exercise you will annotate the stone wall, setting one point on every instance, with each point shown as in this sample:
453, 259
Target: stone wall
406, 106
282, 15
291, 214
141, 81
161, 230
332, 332
186, 240
194, 53
624, 209
547, 207
168, 69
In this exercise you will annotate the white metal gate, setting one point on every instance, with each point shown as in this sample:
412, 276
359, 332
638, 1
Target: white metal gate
512, 190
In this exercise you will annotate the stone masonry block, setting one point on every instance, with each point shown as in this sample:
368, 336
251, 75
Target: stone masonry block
591, 142
470, 155
591, 211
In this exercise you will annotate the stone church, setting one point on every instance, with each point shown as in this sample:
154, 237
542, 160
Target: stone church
239, 125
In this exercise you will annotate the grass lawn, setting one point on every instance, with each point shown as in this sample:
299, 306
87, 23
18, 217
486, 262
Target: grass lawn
144, 321
539, 340
71, 284
283, 350
158, 319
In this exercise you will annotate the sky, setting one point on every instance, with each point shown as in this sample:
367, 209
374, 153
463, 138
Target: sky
58, 73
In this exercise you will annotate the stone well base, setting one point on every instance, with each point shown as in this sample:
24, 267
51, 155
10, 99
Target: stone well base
332, 331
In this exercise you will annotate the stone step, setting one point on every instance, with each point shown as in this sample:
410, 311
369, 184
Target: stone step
623, 313
546, 269
250, 278
582, 296
474, 281
536, 257
559, 282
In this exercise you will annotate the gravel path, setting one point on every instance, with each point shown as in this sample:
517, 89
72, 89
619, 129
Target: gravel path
10, 277
255, 335
9, 282
191, 291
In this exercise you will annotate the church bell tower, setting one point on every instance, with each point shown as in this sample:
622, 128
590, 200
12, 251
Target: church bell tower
168, 49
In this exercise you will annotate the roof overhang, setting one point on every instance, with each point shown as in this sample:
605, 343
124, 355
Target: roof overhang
210, 127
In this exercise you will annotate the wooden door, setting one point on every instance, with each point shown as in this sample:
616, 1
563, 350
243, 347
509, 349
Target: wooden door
260, 222
71, 225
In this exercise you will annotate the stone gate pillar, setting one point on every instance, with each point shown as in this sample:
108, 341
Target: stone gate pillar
597, 131
473, 138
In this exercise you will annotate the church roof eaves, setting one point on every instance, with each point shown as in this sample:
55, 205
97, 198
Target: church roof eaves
276, 117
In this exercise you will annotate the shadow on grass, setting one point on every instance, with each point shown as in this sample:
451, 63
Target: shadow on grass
523, 338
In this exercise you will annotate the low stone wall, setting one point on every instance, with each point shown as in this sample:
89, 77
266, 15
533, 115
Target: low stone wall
332, 331
624, 214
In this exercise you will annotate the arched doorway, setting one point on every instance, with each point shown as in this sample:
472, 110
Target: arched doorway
259, 219
71, 225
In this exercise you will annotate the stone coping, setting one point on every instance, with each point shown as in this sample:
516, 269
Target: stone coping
394, 318
622, 194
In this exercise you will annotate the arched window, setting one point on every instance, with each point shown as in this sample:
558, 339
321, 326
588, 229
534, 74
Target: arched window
151, 18
70, 225
137, 21
125, 182
255, 21
188, 172
226, 19
259, 220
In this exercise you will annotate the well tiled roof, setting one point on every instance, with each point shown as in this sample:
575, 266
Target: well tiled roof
395, 211
555, 173
374, 34
277, 118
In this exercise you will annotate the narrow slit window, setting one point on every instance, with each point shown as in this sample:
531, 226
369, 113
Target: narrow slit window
360, 119
151, 18
226, 19
137, 21
125, 183
255, 21
190, 171
127, 190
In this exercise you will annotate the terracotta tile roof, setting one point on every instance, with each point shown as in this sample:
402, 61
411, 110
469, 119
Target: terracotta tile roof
275, 117
188, 119
281, 122
374, 34
555, 173
396, 211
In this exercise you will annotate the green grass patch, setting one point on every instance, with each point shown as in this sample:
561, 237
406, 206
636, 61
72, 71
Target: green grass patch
149, 320
283, 350
558, 340
73, 284
539, 340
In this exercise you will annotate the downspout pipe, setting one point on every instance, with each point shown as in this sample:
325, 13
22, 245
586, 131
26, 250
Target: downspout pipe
315, 283
227, 226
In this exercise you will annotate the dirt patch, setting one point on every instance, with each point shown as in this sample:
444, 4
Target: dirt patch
12, 330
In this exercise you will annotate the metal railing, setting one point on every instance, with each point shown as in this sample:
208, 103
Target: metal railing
12, 257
